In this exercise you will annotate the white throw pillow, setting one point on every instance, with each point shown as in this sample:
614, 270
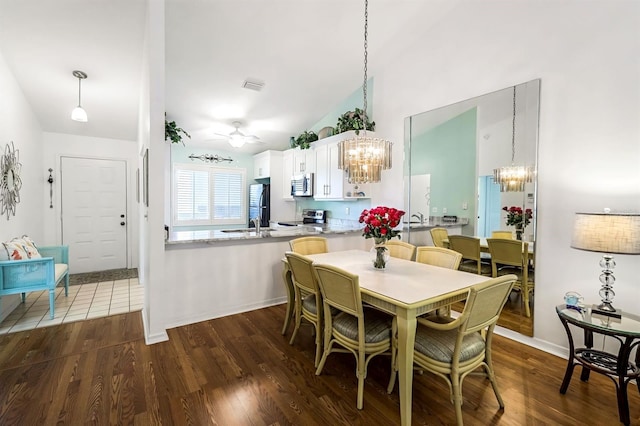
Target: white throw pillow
20, 249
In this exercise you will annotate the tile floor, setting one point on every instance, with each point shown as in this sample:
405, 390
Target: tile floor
85, 301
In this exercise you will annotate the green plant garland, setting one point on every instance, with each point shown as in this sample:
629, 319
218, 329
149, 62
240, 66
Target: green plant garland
173, 132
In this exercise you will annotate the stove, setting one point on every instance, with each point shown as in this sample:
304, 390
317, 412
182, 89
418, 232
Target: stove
309, 216
314, 216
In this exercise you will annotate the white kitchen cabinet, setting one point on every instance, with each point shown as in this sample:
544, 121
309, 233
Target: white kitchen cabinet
329, 179
262, 165
287, 172
303, 161
332, 182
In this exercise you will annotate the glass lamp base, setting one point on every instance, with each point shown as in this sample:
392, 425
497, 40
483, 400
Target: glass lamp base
607, 310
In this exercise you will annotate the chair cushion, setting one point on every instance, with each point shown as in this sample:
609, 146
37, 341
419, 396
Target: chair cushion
439, 345
309, 303
60, 270
377, 326
506, 270
472, 266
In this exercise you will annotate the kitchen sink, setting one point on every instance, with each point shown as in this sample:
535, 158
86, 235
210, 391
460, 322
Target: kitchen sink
242, 230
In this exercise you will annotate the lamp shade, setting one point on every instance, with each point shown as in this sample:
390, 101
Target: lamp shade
607, 232
79, 114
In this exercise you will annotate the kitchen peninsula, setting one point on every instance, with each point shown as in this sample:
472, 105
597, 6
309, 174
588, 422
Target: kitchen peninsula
220, 273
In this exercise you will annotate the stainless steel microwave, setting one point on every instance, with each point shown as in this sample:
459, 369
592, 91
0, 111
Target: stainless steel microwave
302, 185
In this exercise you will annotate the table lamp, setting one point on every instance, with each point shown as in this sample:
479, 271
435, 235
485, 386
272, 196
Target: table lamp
608, 233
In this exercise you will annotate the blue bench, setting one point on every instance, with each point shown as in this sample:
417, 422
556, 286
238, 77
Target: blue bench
22, 276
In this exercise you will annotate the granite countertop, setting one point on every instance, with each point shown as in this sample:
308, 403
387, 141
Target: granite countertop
240, 234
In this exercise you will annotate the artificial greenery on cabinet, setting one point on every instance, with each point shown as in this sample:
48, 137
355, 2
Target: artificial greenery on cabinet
305, 138
352, 120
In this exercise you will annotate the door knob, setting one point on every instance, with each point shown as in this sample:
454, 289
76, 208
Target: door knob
122, 223
122, 216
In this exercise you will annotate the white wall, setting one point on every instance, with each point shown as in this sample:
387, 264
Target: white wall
56, 145
19, 124
587, 55
151, 136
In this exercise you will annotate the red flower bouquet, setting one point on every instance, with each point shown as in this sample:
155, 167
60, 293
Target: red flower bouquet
379, 224
517, 217
380, 221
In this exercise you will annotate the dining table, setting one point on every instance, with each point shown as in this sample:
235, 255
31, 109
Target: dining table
405, 289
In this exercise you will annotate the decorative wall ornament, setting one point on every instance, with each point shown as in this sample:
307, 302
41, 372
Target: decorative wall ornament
50, 180
10, 182
210, 158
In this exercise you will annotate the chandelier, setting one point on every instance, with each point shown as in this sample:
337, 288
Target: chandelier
364, 157
513, 178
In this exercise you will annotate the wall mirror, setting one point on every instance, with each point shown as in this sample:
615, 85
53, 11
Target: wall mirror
451, 154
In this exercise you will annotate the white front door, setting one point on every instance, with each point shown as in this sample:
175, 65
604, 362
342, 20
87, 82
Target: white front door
94, 207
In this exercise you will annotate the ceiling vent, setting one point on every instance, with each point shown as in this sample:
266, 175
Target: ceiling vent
256, 85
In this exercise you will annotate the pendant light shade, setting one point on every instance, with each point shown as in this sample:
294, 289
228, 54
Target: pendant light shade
364, 157
513, 178
78, 113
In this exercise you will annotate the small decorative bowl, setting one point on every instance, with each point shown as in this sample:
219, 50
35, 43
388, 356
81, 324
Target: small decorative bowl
325, 132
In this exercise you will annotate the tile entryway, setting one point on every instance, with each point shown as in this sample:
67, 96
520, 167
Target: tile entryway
109, 293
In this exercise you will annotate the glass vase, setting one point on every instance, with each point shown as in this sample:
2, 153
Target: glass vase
519, 231
380, 254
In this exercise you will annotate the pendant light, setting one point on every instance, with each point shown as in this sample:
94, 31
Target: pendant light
79, 114
513, 178
364, 157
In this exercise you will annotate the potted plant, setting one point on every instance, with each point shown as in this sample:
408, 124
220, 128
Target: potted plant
173, 132
305, 139
352, 120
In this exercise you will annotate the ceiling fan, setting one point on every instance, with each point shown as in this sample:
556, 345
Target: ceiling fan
237, 139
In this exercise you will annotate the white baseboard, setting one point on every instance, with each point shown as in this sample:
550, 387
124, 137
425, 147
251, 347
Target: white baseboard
543, 345
150, 339
238, 309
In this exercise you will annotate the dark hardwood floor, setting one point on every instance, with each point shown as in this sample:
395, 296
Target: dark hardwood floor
239, 370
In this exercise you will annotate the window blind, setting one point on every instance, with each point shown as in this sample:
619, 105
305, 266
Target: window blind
208, 195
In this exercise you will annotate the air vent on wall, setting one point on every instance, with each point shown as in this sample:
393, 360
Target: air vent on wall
253, 84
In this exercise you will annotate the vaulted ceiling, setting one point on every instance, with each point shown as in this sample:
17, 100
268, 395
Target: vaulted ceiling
309, 54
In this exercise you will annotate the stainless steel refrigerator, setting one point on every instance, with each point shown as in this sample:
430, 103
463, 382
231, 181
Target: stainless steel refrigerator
259, 204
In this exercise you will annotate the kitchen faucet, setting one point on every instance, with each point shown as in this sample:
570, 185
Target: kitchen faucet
420, 216
256, 222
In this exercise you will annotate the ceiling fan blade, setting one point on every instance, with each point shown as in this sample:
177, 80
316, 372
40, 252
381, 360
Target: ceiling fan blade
221, 135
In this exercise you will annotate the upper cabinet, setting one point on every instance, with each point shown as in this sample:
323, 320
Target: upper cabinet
304, 161
331, 182
262, 165
287, 172
329, 178
296, 161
